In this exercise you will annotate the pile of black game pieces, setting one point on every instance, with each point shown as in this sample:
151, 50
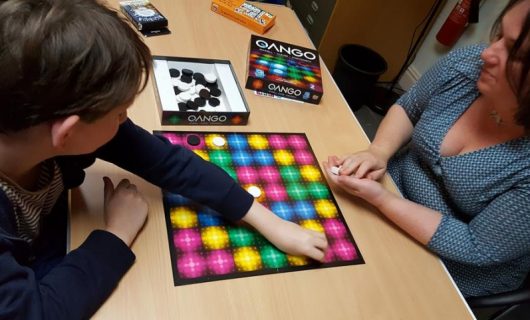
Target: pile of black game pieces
194, 90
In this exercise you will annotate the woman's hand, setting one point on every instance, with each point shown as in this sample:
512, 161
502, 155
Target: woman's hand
370, 164
366, 188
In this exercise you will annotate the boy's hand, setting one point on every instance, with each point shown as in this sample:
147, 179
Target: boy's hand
125, 210
295, 240
286, 235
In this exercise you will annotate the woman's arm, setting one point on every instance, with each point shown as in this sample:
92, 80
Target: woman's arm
499, 233
417, 220
394, 131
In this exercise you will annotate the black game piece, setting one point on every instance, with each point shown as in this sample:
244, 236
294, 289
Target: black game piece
187, 72
193, 140
205, 94
201, 102
185, 78
174, 73
200, 81
177, 90
198, 76
211, 85
192, 105
182, 106
215, 92
214, 102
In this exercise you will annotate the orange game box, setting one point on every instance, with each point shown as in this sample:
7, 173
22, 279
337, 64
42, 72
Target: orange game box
244, 13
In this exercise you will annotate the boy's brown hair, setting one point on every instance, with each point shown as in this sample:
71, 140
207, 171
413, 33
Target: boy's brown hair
65, 57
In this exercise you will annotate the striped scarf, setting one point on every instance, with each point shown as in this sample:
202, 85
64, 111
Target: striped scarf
30, 206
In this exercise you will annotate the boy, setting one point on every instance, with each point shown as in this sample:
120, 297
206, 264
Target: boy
70, 69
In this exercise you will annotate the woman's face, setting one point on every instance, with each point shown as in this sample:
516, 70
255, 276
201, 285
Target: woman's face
493, 82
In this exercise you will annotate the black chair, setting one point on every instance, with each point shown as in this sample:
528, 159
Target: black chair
507, 303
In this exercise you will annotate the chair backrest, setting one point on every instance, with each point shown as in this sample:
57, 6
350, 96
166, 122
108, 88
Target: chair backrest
518, 296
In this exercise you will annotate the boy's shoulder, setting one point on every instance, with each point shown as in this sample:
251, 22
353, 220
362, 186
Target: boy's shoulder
9, 241
7, 216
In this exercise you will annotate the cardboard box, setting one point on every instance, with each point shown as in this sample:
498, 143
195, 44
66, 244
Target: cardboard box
232, 108
280, 69
145, 17
244, 13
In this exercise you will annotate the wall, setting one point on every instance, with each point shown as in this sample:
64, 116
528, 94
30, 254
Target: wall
430, 50
383, 25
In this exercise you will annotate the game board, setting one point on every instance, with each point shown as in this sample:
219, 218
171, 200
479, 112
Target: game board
281, 171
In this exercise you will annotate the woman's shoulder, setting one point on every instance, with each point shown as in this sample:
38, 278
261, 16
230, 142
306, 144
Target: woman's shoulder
465, 60
471, 51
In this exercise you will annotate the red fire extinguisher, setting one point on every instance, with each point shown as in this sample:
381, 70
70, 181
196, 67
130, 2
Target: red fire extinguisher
464, 12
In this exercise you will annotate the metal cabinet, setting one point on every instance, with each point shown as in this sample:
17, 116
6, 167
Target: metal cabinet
314, 15
385, 26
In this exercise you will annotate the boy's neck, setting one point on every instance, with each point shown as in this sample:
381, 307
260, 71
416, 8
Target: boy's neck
21, 154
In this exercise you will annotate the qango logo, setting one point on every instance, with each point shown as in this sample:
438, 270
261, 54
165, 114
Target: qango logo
206, 118
288, 50
283, 89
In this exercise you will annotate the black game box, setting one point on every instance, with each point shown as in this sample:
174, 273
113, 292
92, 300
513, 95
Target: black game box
284, 70
198, 91
145, 17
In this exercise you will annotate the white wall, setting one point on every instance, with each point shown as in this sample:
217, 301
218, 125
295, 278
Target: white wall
431, 50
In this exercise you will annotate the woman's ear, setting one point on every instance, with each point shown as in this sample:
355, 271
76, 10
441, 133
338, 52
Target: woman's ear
62, 129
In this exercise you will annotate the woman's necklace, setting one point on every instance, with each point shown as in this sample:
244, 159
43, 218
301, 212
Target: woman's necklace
496, 117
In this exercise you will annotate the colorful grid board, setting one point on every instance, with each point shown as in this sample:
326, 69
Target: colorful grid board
282, 166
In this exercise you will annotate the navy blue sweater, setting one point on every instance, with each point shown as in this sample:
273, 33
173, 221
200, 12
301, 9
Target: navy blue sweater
41, 282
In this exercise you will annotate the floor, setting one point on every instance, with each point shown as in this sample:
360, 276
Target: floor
521, 312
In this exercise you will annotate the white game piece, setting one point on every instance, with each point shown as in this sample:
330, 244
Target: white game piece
199, 87
191, 91
335, 170
182, 86
219, 141
175, 81
184, 96
254, 191
210, 78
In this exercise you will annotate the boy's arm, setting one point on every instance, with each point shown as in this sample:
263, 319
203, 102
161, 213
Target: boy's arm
74, 289
176, 169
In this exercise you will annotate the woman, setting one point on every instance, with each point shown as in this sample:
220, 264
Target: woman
465, 175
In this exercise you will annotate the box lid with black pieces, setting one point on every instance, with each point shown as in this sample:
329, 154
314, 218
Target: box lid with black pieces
198, 91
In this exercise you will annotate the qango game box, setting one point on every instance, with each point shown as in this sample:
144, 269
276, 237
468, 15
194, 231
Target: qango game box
284, 70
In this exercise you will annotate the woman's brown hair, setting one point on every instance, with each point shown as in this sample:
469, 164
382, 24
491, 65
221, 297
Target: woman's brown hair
519, 54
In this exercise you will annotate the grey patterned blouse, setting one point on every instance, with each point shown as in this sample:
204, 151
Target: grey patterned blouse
484, 196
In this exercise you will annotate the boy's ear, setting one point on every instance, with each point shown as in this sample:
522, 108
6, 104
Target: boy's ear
62, 129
